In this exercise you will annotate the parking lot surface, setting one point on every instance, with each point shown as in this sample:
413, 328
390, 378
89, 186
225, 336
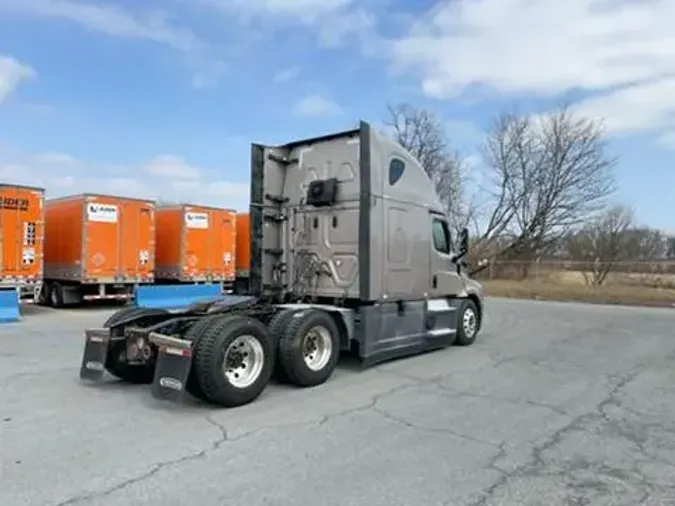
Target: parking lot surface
555, 404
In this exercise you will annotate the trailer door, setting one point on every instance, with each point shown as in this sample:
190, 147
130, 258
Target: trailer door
137, 259
197, 237
20, 233
227, 235
101, 246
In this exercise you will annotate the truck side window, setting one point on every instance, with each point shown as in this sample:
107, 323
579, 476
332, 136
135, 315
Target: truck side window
441, 236
396, 169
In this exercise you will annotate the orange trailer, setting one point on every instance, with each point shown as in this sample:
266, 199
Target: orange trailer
21, 239
243, 250
195, 244
97, 247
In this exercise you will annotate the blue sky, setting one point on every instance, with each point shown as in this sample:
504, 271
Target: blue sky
162, 98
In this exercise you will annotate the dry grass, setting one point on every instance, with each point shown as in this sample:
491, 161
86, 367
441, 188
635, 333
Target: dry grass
620, 288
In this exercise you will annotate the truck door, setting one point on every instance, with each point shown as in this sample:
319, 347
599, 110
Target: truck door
445, 285
440, 248
444, 280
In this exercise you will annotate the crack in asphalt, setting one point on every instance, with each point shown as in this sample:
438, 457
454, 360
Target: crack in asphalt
456, 392
154, 469
223, 438
537, 465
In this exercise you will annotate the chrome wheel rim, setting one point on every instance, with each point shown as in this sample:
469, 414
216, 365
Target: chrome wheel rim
243, 361
317, 347
469, 322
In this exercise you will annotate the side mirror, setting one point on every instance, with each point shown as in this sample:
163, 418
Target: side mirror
464, 241
462, 249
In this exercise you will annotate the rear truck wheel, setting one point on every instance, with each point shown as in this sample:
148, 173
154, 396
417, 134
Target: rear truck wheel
467, 323
309, 348
118, 367
234, 360
116, 363
277, 328
121, 314
194, 335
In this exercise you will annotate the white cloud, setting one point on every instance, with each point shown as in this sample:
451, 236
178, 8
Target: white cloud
287, 74
12, 74
518, 47
306, 10
173, 167
335, 31
111, 20
165, 177
54, 159
334, 21
668, 139
115, 21
643, 107
316, 106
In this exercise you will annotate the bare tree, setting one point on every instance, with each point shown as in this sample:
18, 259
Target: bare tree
601, 243
645, 244
421, 133
670, 254
546, 175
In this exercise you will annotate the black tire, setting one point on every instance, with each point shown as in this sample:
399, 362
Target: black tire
466, 333
210, 353
277, 328
56, 296
115, 365
194, 335
122, 314
292, 351
43, 296
134, 374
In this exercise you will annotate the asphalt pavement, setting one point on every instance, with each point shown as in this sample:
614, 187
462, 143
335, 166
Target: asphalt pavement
555, 404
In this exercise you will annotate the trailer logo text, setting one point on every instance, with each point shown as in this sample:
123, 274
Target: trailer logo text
197, 220
15, 204
102, 212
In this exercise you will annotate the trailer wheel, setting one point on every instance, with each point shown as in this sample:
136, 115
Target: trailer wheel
56, 296
467, 323
310, 348
277, 327
43, 296
234, 360
115, 363
194, 335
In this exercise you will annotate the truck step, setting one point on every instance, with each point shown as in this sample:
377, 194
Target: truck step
282, 159
277, 199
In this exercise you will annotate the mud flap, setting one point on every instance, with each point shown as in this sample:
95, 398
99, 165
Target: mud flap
174, 361
96, 346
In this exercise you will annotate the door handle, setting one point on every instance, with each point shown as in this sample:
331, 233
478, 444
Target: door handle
434, 281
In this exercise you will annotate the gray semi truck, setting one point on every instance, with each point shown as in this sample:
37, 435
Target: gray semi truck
350, 250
